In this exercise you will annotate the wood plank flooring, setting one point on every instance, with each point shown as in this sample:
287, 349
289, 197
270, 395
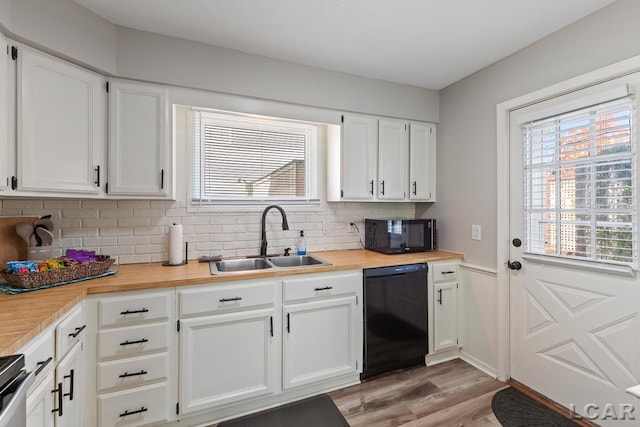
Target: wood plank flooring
448, 394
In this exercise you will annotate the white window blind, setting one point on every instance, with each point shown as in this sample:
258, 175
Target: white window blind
243, 159
580, 184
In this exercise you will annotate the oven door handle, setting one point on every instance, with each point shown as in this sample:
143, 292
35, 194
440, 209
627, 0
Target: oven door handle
19, 388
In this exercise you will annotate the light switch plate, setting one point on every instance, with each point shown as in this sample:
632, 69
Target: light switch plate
476, 232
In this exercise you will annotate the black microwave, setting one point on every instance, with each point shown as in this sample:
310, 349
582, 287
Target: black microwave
398, 236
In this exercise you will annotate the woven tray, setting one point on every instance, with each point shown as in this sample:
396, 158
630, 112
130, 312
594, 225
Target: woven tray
41, 278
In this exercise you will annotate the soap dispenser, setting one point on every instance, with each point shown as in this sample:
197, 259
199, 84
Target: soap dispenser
302, 244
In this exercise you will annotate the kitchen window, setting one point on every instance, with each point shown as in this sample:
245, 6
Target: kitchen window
253, 160
580, 186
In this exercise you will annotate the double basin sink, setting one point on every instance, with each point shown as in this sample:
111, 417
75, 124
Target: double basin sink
244, 265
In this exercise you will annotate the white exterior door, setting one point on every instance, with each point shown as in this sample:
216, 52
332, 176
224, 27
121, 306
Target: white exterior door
575, 325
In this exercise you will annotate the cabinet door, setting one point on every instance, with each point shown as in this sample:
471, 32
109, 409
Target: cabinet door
40, 403
393, 158
445, 315
422, 162
319, 340
69, 378
61, 134
358, 157
226, 358
139, 155
5, 173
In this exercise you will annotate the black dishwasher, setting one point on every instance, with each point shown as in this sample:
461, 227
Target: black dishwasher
395, 317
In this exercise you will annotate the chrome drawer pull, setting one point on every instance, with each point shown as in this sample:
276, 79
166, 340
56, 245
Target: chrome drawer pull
133, 374
139, 411
142, 341
144, 310
77, 332
326, 288
230, 299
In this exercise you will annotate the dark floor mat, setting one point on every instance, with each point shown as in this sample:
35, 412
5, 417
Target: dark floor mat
515, 409
317, 411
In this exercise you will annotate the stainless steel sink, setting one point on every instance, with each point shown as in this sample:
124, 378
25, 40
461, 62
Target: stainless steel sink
297, 261
243, 265
239, 265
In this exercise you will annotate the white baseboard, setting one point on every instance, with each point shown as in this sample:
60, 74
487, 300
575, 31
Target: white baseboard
441, 356
489, 370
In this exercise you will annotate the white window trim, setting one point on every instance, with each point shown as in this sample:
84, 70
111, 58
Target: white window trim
256, 205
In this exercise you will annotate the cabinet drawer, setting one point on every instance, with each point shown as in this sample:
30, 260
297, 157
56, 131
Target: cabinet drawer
319, 286
40, 353
227, 297
125, 310
133, 372
134, 340
69, 332
141, 406
444, 272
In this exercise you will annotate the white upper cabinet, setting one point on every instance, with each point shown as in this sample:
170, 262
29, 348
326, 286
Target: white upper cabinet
381, 159
422, 162
359, 154
140, 154
60, 126
392, 159
5, 173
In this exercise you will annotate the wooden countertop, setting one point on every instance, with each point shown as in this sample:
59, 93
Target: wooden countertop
24, 316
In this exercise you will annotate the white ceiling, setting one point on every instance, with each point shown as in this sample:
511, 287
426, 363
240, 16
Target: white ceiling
426, 43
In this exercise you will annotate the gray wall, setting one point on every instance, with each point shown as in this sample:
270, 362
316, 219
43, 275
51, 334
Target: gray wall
147, 56
466, 156
66, 29
63, 28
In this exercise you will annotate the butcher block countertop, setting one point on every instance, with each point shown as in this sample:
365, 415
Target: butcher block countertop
24, 316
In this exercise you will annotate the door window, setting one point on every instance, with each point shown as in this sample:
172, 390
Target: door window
579, 184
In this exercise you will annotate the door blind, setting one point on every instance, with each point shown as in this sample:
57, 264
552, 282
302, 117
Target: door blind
580, 186
241, 159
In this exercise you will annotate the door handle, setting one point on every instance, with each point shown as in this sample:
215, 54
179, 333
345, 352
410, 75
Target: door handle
514, 265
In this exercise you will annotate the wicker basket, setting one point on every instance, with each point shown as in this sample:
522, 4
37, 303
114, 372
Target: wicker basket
35, 279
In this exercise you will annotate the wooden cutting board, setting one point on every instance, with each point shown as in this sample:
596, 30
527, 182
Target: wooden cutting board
12, 247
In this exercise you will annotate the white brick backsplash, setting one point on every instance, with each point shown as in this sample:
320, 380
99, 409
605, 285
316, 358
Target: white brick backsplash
133, 222
136, 231
134, 240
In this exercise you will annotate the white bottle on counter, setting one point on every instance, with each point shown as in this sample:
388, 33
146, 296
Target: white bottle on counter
302, 244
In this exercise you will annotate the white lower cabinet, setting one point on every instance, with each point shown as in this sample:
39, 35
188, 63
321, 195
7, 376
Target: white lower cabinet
252, 344
133, 358
40, 403
57, 355
444, 300
69, 393
228, 347
226, 358
319, 340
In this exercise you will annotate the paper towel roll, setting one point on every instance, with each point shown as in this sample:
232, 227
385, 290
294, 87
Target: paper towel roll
175, 244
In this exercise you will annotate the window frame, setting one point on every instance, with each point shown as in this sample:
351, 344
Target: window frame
593, 262
314, 164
